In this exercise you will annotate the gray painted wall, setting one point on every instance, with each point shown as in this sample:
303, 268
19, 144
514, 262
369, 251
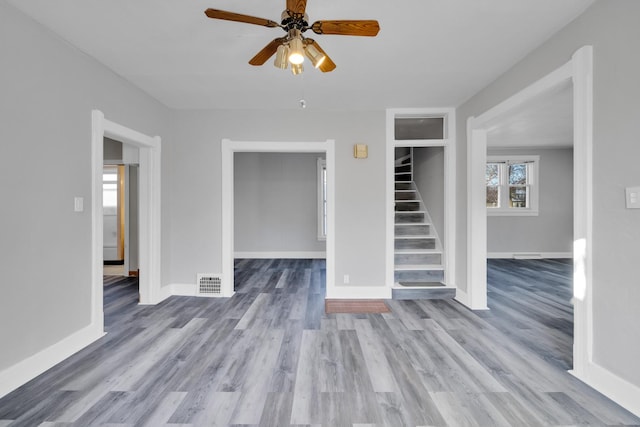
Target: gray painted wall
552, 229
111, 149
194, 160
48, 91
276, 202
612, 29
428, 163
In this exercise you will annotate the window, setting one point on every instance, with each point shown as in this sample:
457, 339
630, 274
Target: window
419, 128
512, 185
110, 188
322, 199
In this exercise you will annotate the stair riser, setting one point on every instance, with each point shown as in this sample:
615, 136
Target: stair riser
400, 294
406, 195
407, 206
409, 218
416, 259
419, 276
412, 230
403, 168
403, 177
415, 243
403, 186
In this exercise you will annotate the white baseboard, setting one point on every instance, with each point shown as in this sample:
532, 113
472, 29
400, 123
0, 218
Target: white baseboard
184, 289
358, 292
529, 255
164, 293
615, 388
282, 255
29, 368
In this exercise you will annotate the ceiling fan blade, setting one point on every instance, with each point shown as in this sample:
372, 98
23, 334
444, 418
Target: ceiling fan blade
297, 6
237, 17
327, 65
267, 52
367, 28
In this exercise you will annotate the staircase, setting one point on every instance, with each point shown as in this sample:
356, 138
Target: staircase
419, 263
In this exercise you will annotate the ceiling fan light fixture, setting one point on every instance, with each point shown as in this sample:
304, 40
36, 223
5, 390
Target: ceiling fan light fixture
282, 60
295, 21
314, 55
296, 51
297, 69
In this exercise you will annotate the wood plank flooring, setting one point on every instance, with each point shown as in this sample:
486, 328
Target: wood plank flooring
270, 356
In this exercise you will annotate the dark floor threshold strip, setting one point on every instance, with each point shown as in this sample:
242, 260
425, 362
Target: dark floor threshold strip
332, 306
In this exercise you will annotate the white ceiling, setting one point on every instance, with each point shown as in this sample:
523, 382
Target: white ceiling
429, 53
546, 122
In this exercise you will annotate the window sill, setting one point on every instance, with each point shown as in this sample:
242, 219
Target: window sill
491, 212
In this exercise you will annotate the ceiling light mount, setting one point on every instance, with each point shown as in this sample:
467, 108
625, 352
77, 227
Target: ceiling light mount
294, 21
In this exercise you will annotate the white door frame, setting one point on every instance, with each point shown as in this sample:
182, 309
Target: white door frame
230, 147
149, 226
448, 144
578, 71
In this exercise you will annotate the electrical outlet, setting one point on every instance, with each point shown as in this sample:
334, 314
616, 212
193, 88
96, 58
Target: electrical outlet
346, 279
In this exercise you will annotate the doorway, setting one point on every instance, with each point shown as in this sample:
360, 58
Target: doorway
114, 205
579, 73
229, 148
149, 213
120, 201
428, 129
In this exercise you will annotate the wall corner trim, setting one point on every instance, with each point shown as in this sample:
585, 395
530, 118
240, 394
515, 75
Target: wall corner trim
29, 368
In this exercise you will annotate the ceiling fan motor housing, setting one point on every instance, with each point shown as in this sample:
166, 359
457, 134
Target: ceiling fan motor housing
294, 21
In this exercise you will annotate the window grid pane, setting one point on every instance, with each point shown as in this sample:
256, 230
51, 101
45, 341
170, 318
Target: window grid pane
519, 196
518, 174
492, 174
493, 197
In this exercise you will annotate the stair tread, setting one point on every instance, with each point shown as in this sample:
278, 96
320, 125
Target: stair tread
435, 285
412, 223
418, 267
417, 251
416, 236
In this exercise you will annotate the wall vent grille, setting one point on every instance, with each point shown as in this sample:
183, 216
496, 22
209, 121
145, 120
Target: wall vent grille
209, 285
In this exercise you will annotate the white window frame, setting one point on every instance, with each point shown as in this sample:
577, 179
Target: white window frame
322, 200
533, 172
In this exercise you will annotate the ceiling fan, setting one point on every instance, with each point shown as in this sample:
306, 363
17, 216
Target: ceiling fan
293, 47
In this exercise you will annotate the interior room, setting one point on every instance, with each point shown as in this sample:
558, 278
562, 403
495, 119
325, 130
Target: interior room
286, 256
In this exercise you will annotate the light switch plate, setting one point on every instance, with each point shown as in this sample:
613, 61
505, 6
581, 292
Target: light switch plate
78, 204
633, 197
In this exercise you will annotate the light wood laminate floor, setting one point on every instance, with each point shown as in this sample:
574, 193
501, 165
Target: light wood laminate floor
269, 356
